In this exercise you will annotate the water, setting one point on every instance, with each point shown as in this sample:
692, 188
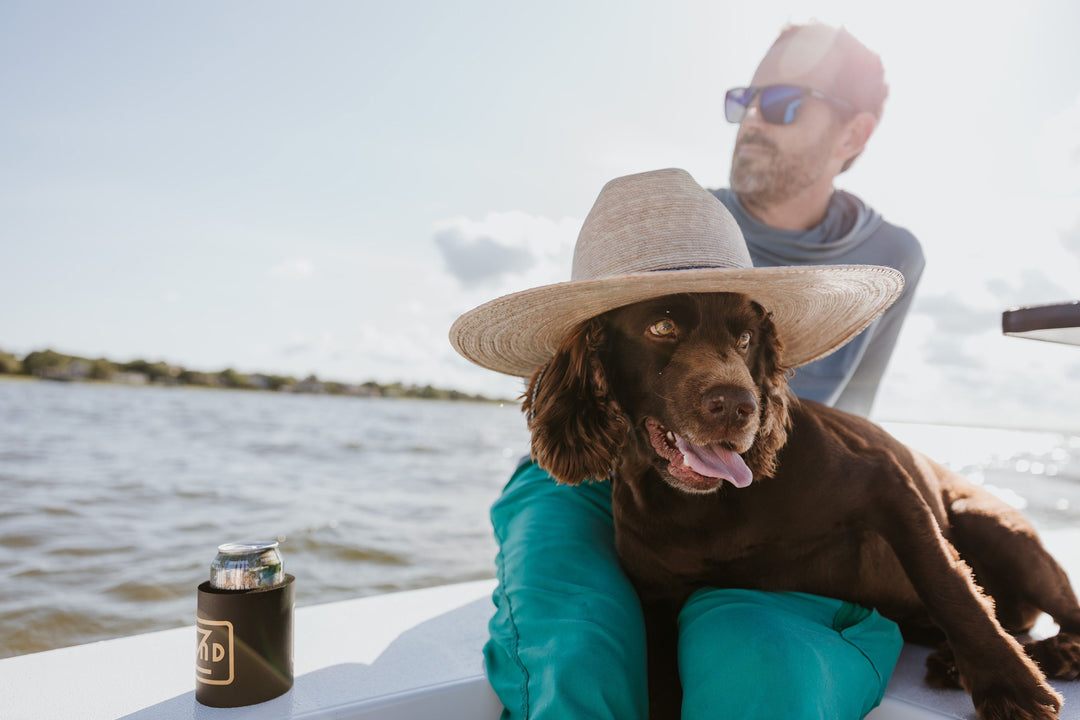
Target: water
115, 498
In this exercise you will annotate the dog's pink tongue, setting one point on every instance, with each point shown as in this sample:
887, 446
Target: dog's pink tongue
716, 462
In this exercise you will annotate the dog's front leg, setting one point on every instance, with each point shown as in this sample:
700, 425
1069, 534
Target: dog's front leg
1003, 681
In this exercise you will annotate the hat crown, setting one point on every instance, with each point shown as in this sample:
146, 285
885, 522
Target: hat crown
665, 221
659, 220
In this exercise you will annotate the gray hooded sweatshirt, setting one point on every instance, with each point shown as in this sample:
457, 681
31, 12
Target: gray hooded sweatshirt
850, 234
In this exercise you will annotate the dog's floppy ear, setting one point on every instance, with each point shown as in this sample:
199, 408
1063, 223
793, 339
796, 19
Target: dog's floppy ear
771, 378
577, 427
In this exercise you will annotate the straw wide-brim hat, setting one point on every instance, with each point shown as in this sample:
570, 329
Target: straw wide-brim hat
660, 233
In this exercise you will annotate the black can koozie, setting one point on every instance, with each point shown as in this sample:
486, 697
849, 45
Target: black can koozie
244, 645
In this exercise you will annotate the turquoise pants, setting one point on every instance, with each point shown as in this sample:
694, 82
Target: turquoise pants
568, 638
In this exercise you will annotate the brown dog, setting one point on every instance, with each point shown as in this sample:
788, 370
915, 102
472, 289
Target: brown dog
723, 479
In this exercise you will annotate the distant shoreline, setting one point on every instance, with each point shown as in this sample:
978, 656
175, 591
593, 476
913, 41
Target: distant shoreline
57, 367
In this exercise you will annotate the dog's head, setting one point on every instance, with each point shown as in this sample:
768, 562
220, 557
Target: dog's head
689, 384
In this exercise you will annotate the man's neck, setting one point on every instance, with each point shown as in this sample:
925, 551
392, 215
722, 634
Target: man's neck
801, 212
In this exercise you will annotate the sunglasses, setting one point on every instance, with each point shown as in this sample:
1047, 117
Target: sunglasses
778, 104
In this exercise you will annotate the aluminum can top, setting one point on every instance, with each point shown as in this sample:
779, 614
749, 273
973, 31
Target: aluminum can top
247, 566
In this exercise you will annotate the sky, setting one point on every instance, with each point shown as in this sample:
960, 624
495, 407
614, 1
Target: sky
323, 187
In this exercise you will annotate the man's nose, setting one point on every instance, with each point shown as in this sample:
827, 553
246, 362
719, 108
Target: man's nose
752, 115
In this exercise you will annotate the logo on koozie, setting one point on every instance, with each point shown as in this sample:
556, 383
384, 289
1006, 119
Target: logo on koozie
214, 658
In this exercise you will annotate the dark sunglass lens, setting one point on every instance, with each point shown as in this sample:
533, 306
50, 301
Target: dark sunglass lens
780, 104
735, 103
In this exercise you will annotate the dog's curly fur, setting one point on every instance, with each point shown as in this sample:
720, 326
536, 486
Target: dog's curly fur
577, 440
837, 507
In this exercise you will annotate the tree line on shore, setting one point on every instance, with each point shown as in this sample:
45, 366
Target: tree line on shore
51, 365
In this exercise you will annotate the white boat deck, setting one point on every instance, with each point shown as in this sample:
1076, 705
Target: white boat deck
414, 654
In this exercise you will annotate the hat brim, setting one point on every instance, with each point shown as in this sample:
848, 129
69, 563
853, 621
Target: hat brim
816, 309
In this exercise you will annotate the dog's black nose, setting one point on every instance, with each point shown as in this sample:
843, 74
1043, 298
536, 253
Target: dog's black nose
729, 404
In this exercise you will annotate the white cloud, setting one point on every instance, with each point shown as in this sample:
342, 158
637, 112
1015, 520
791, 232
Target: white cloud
944, 372
480, 259
508, 250
952, 316
1030, 286
1070, 239
308, 346
299, 267
1059, 152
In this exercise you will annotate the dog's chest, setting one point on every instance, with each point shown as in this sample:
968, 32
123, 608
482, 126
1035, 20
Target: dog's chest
671, 545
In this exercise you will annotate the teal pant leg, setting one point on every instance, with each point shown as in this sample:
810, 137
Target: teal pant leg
567, 639
748, 654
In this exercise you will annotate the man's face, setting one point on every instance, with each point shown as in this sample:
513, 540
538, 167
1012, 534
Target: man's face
773, 163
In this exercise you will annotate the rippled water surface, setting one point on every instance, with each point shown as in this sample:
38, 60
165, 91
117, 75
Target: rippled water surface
114, 498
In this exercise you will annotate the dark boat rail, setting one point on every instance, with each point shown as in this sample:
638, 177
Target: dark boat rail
1059, 322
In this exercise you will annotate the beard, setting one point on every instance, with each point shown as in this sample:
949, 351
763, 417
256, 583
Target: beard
774, 177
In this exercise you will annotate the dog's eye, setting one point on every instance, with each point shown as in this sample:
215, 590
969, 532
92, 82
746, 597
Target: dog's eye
663, 329
744, 341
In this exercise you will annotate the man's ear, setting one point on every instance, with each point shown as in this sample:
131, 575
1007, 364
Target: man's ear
856, 133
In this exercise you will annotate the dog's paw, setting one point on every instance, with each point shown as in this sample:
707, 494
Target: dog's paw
941, 671
1040, 702
1057, 656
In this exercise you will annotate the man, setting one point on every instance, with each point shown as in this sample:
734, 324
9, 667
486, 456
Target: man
567, 638
811, 108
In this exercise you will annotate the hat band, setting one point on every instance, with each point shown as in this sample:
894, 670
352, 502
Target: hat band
693, 267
